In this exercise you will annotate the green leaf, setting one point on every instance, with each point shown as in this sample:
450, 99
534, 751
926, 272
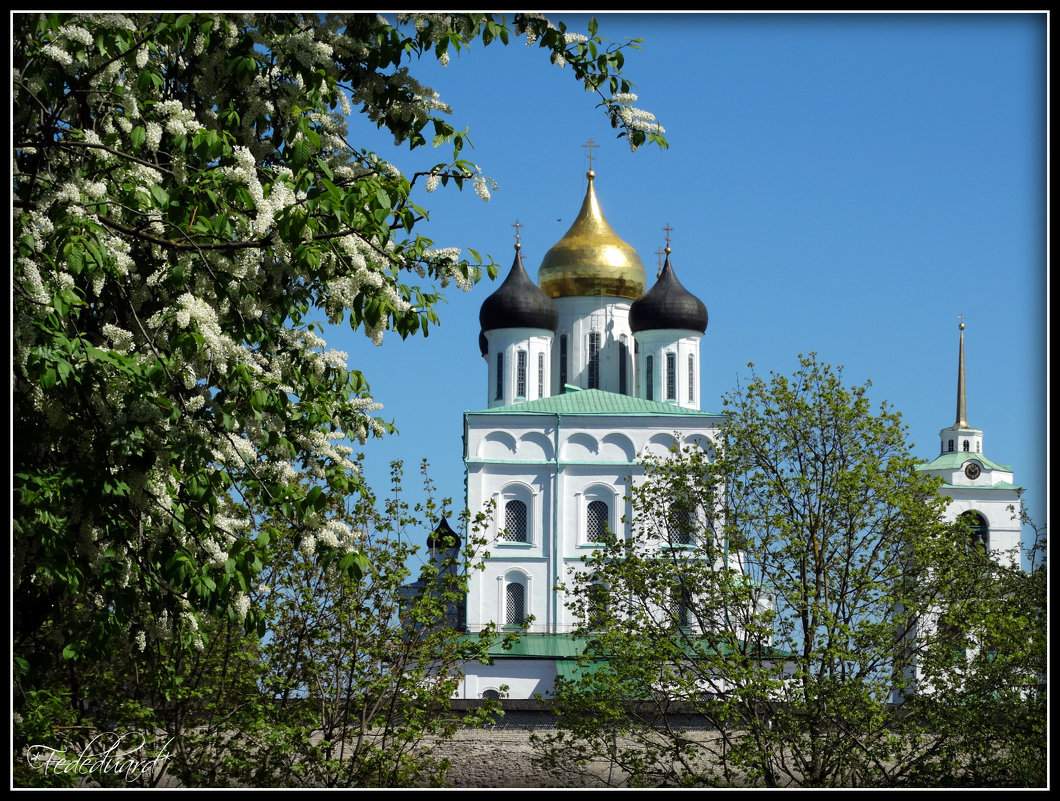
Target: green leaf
137, 137
160, 196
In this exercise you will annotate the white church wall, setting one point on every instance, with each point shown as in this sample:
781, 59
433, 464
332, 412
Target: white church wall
534, 380
524, 678
652, 383
1000, 512
578, 317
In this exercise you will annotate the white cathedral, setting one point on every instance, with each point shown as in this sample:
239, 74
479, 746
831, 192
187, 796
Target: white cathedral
586, 371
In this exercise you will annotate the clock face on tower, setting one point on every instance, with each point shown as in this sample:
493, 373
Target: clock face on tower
972, 470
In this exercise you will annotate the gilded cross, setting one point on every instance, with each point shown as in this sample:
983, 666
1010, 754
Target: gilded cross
668, 229
517, 225
589, 146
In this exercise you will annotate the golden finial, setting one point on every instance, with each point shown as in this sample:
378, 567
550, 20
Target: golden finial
668, 229
517, 225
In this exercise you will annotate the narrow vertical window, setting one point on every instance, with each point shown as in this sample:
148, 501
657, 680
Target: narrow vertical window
966, 444
691, 379
520, 374
681, 525
500, 375
636, 361
596, 521
671, 376
562, 361
622, 358
541, 375
950, 446
514, 604
594, 360
649, 379
515, 529
679, 608
596, 607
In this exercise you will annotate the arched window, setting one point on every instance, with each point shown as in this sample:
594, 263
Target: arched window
500, 375
966, 444
649, 378
491, 694
681, 524
514, 603
671, 376
594, 360
515, 528
623, 352
596, 521
980, 535
520, 374
950, 448
691, 378
541, 375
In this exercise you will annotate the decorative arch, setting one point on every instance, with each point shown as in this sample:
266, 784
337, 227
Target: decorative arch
497, 445
581, 447
705, 443
618, 448
535, 446
660, 444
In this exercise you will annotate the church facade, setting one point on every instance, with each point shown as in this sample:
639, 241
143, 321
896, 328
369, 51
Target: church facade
588, 369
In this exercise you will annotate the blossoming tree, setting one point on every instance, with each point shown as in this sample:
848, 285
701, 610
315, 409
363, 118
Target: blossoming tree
188, 211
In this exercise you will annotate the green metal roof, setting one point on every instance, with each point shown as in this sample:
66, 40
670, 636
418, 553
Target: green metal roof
535, 646
595, 401
999, 485
567, 646
954, 460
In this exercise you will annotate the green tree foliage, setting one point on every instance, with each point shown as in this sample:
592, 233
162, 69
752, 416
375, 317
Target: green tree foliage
784, 590
984, 697
349, 689
188, 211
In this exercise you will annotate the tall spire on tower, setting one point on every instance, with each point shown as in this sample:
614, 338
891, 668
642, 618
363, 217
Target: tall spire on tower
962, 413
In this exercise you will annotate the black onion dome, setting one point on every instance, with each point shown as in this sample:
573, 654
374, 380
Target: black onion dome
443, 537
668, 305
518, 303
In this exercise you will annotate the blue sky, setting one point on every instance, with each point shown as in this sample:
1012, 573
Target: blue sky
840, 183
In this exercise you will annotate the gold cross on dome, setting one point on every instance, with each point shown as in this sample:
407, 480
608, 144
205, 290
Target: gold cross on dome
589, 146
668, 229
517, 225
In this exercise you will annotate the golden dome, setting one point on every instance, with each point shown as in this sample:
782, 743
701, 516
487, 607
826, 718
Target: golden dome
591, 259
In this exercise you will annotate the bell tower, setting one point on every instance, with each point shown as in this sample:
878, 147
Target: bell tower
979, 488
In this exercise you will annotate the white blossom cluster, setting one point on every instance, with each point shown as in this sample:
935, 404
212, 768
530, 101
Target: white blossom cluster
635, 118
176, 278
